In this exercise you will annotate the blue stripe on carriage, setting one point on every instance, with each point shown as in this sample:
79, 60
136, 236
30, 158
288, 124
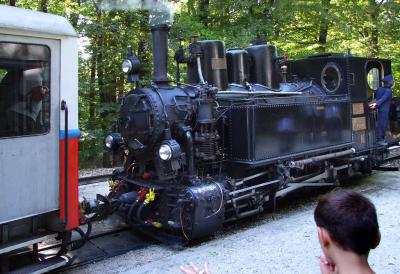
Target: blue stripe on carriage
72, 133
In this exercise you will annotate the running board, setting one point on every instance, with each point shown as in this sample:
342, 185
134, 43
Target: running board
386, 168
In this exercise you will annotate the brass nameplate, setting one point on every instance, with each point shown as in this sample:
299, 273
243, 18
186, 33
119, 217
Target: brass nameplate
358, 108
359, 123
218, 63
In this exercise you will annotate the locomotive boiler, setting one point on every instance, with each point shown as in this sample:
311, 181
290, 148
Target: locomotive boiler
245, 127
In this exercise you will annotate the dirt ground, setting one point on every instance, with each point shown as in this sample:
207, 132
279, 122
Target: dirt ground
281, 242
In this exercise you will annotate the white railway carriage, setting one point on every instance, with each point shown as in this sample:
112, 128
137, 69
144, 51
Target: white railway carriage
38, 124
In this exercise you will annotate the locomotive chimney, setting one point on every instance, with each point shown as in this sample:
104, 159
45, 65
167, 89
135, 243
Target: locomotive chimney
160, 52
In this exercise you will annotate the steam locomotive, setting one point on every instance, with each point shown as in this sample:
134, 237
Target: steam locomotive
246, 127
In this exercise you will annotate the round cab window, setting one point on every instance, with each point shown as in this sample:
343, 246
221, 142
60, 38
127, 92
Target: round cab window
331, 77
373, 78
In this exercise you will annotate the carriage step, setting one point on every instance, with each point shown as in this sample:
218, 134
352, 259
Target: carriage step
14, 245
43, 266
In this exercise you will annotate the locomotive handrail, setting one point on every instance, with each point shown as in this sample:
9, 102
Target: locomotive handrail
260, 92
65, 108
200, 73
253, 187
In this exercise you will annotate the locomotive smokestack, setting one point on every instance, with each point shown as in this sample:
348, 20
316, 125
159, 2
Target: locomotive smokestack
160, 52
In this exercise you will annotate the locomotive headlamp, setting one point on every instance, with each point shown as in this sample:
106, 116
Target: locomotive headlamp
169, 150
109, 141
131, 66
126, 66
113, 141
165, 152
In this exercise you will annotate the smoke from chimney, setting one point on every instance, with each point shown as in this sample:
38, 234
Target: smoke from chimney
161, 11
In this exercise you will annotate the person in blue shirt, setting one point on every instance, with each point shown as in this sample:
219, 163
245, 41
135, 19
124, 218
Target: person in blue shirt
383, 96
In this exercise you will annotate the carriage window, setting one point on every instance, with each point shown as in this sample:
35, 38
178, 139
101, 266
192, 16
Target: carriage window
24, 89
373, 78
3, 73
331, 78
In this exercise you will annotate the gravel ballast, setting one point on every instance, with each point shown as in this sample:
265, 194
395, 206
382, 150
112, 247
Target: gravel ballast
281, 242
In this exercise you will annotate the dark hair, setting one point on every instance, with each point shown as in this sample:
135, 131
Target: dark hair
350, 219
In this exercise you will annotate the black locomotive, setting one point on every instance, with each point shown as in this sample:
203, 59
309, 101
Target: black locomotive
246, 127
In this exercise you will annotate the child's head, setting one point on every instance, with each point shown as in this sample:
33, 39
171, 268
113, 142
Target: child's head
350, 221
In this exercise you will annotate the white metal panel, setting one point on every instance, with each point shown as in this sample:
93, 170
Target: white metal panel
13, 18
29, 166
69, 80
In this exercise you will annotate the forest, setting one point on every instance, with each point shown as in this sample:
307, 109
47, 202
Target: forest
107, 28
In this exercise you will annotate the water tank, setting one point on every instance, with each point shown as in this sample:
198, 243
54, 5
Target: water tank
213, 64
262, 65
238, 66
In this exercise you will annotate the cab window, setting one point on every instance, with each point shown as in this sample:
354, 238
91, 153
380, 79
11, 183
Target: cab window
24, 89
373, 78
373, 70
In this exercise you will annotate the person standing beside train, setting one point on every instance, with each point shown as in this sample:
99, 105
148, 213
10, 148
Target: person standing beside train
383, 97
348, 230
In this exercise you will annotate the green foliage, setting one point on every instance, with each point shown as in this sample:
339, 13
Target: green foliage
301, 27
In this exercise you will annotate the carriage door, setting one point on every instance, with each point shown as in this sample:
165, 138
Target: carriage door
29, 126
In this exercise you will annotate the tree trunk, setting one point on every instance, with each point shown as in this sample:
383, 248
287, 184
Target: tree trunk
143, 48
323, 27
44, 5
110, 81
120, 88
75, 16
99, 48
13, 3
204, 11
92, 92
374, 8
100, 71
191, 7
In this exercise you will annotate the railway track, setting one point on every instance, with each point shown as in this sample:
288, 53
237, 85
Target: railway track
109, 238
102, 244
88, 180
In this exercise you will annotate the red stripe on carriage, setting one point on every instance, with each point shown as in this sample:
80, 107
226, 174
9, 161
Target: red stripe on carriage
72, 188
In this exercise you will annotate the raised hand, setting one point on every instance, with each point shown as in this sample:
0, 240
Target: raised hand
326, 266
194, 270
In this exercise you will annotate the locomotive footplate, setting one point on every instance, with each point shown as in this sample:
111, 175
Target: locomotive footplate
390, 154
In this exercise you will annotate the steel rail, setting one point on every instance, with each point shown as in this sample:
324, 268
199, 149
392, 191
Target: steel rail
87, 180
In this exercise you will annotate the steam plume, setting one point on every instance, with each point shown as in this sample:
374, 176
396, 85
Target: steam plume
161, 11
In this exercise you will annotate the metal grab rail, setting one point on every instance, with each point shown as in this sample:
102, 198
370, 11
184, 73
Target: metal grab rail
301, 163
65, 108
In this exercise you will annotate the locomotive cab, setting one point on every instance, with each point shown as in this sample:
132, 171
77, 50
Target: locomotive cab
356, 77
